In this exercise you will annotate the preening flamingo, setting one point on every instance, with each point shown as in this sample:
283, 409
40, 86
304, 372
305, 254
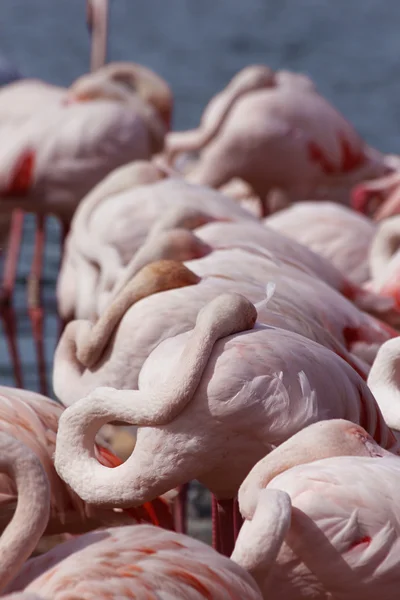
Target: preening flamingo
33, 419
210, 406
333, 231
274, 130
326, 525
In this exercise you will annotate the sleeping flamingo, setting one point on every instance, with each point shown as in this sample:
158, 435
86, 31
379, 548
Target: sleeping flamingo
122, 562
52, 159
167, 240
335, 232
33, 419
112, 350
322, 519
211, 403
76, 251
274, 130
98, 248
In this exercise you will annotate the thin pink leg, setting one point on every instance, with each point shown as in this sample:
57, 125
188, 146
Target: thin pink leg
64, 232
12, 256
214, 517
35, 308
180, 509
7, 312
9, 320
225, 526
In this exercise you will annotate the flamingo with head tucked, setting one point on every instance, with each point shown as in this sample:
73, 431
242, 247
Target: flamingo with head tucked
33, 419
210, 404
113, 563
167, 239
100, 250
112, 350
274, 130
52, 159
322, 519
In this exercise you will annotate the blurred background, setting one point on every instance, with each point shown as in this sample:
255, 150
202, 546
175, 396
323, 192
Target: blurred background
350, 48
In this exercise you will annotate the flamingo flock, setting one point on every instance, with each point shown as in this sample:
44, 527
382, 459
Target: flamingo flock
231, 299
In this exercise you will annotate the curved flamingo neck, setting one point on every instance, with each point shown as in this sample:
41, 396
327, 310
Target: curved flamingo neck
157, 277
174, 244
127, 485
261, 538
218, 111
31, 516
336, 437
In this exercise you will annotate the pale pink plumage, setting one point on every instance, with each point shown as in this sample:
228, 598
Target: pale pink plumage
337, 521
101, 250
333, 231
274, 130
33, 419
112, 351
54, 156
208, 408
135, 562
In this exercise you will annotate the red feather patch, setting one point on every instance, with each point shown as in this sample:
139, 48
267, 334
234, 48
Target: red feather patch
22, 175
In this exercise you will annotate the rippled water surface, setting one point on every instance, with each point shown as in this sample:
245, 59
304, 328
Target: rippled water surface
350, 48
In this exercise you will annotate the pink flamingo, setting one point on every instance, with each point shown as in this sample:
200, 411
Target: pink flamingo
111, 563
326, 524
33, 419
274, 130
112, 350
53, 159
99, 249
333, 231
211, 403
167, 240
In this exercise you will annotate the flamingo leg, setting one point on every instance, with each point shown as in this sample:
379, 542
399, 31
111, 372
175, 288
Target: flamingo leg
97, 21
7, 312
12, 256
180, 506
214, 520
35, 308
64, 232
9, 320
225, 533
